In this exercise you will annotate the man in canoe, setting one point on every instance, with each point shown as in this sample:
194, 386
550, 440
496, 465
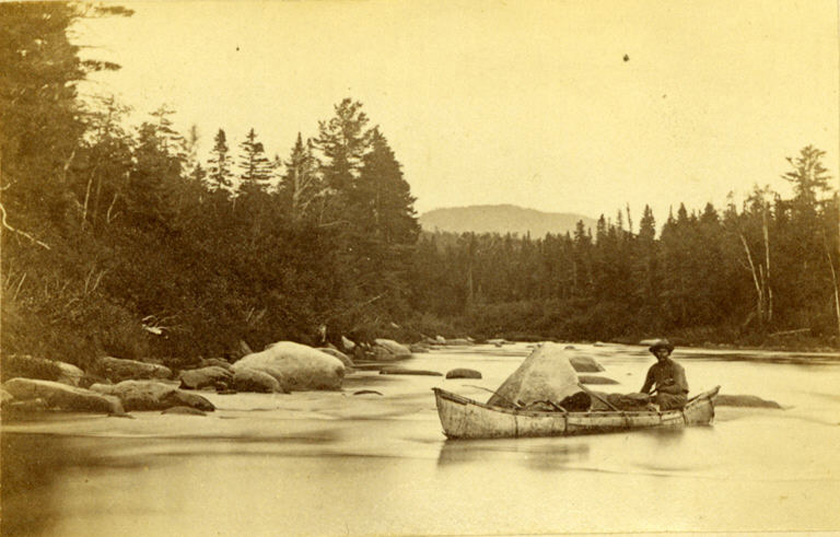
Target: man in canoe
667, 378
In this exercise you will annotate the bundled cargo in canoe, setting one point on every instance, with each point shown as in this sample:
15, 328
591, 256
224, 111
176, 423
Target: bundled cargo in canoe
463, 418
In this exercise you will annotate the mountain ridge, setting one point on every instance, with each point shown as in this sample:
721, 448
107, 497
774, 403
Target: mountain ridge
501, 218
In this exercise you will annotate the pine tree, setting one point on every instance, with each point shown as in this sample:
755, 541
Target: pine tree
342, 141
169, 140
582, 263
809, 177
219, 172
255, 168
645, 269
810, 242
383, 197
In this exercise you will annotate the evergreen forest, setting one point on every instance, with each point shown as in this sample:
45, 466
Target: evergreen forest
127, 241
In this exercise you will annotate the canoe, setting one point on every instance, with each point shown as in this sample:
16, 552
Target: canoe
464, 418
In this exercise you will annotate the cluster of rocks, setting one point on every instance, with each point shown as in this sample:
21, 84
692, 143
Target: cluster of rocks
113, 386
116, 386
426, 343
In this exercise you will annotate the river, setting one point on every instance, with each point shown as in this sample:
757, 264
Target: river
337, 464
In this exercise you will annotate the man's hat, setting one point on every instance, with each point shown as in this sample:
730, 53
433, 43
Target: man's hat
661, 343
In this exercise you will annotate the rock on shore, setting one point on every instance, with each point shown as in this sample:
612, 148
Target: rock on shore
118, 369
255, 381
204, 377
152, 395
389, 350
62, 397
32, 367
296, 367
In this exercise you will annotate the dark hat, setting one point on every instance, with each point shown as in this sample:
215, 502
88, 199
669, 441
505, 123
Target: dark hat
661, 343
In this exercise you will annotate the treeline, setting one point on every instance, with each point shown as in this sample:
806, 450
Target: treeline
764, 271
125, 241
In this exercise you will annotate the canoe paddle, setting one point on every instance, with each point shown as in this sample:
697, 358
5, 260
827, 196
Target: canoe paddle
592, 394
517, 406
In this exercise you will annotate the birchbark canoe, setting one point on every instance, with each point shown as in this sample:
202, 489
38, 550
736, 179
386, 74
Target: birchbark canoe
464, 418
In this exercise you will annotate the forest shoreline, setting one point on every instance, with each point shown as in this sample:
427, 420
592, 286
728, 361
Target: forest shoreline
125, 240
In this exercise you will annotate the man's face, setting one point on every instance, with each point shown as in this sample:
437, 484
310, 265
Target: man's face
661, 354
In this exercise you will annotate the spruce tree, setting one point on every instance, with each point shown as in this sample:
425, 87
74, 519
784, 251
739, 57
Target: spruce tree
383, 197
255, 167
343, 142
219, 166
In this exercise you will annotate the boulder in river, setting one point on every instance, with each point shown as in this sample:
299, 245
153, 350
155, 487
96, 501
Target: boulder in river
459, 342
380, 354
390, 350
585, 364
296, 367
204, 377
118, 369
463, 373
255, 381
62, 397
419, 348
32, 367
596, 380
498, 342
152, 395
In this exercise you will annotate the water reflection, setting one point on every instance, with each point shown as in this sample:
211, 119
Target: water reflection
539, 454
32, 469
665, 438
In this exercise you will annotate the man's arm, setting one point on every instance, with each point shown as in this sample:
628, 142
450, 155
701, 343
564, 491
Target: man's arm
648, 382
679, 378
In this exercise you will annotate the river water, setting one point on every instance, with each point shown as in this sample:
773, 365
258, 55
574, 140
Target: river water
337, 463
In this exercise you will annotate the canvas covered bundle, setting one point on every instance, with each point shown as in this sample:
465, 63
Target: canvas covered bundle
546, 376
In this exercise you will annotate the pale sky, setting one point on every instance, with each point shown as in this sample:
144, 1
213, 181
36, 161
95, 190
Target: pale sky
527, 102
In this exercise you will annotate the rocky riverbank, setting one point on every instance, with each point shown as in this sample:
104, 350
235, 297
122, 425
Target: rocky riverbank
117, 386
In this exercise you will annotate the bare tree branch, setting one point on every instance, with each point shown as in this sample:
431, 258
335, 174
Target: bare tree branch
21, 232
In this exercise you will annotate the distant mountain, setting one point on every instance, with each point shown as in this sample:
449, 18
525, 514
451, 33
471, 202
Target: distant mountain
501, 219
